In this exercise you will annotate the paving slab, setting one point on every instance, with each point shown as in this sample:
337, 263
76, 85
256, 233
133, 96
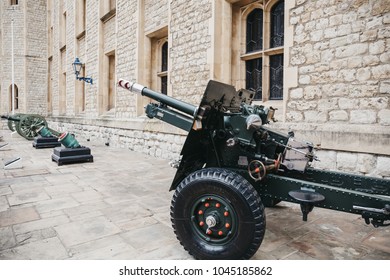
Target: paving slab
7, 239
117, 208
27, 196
110, 247
3, 203
35, 235
85, 230
40, 224
47, 249
5, 190
18, 216
149, 238
56, 204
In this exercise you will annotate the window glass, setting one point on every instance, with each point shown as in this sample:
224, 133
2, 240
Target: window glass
254, 31
277, 25
276, 77
254, 75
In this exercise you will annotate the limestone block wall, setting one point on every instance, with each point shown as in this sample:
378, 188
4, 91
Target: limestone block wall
341, 53
127, 21
337, 60
16, 13
151, 137
36, 57
341, 50
191, 43
156, 14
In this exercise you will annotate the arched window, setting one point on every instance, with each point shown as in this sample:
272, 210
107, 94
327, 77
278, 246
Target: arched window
14, 2
263, 56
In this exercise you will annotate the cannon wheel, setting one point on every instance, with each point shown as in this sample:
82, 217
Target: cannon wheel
28, 125
12, 124
227, 202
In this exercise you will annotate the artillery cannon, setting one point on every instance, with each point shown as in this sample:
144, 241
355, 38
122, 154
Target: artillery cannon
73, 151
232, 165
34, 127
25, 124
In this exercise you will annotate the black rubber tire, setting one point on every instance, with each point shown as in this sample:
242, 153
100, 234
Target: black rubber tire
238, 194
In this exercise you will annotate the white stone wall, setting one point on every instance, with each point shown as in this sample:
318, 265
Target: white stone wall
156, 14
358, 163
126, 53
341, 50
36, 57
339, 59
151, 142
17, 14
191, 43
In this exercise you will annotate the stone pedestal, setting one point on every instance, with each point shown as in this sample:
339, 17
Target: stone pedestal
71, 155
45, 142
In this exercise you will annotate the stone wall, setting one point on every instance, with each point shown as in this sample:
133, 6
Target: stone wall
337, 57
191, 42
36, 57
147, 139
342, 52
15, 12
359, 163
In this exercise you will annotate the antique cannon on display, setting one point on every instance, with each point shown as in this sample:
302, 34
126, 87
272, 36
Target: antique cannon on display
34, 127
73, 151
25, 124
232, 165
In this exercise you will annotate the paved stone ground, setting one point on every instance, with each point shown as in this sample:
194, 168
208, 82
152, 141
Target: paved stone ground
118, 208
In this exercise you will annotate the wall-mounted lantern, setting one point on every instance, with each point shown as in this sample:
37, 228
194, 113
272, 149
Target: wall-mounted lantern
77, 65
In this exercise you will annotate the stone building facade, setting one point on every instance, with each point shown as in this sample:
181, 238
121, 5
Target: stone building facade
334, 71
30, 56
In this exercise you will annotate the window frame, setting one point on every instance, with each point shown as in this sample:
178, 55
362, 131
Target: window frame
161, 73
266, 52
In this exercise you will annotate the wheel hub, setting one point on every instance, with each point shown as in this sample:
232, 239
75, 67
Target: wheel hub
214, 218
211, 221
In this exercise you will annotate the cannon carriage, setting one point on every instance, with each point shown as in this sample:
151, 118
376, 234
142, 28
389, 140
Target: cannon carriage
233, 164
26, 125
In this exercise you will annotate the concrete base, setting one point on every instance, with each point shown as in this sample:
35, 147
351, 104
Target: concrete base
45, 142
71, 155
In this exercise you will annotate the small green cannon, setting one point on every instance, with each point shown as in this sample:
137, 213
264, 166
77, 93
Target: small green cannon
25, 125
72, 151
48, 137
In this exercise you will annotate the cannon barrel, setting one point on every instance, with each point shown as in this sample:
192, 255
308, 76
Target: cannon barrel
162, 98
10, 118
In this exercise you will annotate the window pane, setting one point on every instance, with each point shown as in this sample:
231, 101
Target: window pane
277, 25
254, 77
254, 31
164, 57
276, 77
164, 85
